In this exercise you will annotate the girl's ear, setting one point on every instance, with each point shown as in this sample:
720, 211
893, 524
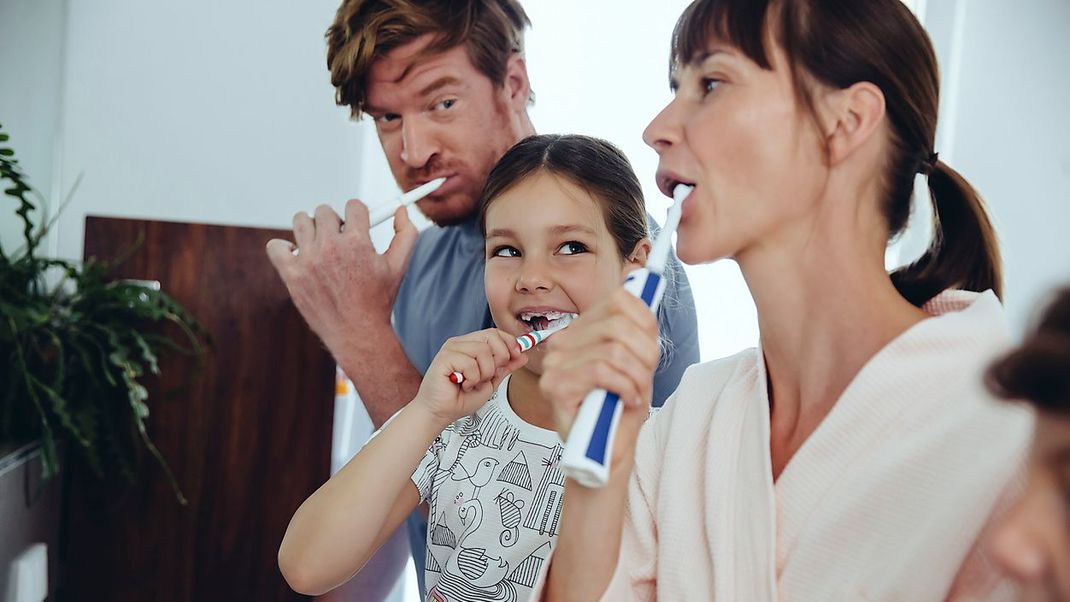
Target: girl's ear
637, 258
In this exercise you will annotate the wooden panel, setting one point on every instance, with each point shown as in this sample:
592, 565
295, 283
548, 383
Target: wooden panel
248, 437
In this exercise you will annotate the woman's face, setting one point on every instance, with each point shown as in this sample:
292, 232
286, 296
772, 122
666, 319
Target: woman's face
737, 132
1033, 543
548, 252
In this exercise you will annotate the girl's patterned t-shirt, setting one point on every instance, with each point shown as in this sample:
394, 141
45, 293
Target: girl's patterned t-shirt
494, 489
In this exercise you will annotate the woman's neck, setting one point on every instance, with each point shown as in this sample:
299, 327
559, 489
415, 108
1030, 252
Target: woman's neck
826, 306
527, 401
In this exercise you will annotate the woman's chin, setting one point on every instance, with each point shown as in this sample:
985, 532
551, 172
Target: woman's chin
698, 253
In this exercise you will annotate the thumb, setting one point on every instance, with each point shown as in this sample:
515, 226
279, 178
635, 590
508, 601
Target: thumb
400, 250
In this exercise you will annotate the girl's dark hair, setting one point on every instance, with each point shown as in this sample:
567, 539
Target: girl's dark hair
590, 163
839, 43
1039, 369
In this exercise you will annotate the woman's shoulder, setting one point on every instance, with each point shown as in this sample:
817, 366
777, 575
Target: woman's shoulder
702, 385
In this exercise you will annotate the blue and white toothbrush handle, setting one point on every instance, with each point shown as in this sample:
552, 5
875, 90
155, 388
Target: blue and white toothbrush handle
590, 442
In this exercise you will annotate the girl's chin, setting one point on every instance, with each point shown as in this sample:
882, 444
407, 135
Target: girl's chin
534, 365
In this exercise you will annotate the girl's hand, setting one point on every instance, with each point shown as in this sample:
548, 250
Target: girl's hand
613, 346
484, 358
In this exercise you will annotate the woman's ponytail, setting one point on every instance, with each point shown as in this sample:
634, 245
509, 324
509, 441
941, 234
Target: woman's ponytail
964, 252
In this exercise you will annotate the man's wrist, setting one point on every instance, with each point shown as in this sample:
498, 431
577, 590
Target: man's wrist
362, 342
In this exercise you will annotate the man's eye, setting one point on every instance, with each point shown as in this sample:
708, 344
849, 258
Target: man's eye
505, 251
572, 248
446, 104
387, 118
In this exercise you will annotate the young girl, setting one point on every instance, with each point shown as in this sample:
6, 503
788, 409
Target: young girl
564, 221
854, 455
1033, 543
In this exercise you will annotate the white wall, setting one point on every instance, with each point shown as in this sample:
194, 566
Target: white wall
1006, 127
205, 111
31, 77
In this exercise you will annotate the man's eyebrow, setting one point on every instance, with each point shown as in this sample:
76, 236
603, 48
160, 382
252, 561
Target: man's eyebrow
442, 82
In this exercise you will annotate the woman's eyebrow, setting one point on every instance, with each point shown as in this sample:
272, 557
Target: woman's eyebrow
695, 63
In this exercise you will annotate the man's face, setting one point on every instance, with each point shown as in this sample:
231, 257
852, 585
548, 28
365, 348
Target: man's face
439, 116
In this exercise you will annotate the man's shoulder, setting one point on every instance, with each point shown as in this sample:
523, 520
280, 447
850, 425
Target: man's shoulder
437, 245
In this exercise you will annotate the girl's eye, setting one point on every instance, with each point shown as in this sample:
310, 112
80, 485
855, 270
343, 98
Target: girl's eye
445, 104
572, 248
505, 251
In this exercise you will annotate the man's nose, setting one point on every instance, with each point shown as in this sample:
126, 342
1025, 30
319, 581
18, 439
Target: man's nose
418, 142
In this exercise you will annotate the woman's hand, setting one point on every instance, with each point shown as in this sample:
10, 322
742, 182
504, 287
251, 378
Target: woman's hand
484, 358
613, 346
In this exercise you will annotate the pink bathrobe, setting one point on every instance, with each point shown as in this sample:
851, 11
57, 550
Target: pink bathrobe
887, 500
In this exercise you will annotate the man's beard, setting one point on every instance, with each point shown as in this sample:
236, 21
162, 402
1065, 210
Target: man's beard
457, 208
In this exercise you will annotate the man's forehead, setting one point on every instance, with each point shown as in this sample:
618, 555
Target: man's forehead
410, 61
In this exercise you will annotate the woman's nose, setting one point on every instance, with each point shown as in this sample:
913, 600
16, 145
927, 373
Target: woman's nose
663, 131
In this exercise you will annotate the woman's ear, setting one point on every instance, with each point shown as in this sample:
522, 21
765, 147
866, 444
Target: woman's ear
853, 114
637, 258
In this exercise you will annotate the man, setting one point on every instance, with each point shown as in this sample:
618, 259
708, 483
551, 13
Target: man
447, 86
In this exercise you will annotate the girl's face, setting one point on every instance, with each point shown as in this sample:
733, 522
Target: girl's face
736, 131
548, 252
1033, 544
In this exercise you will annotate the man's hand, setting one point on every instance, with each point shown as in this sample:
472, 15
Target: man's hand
338, 282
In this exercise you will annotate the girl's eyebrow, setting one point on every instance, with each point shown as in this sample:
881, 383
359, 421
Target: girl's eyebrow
566, 228
500, 232
560, 229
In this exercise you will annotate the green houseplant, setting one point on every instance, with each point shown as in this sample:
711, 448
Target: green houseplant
76, 345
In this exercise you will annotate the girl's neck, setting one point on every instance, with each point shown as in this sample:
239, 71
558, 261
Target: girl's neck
527, 401
826, 306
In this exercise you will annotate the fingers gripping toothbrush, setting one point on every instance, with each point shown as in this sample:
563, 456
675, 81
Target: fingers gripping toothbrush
527, 341
384, 211
590, 442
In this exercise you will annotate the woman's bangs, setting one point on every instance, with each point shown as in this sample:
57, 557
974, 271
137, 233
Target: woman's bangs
739, 23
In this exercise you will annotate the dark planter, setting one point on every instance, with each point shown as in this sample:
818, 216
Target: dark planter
29, 511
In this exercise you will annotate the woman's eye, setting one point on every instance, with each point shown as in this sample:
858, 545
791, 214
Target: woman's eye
709, 84
572, 248
505, 251
446, 104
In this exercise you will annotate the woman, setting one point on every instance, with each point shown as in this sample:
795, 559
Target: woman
1032, 544
854, 454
